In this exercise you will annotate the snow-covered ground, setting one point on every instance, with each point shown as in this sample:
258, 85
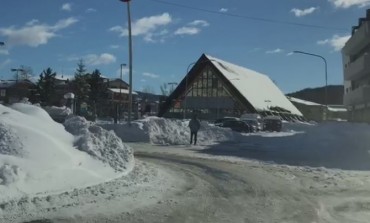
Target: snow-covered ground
340, 145
37, 155
306, 173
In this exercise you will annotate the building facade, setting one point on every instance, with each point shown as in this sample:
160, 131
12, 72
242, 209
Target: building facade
12, 91
318, 112
214, 88
356, 66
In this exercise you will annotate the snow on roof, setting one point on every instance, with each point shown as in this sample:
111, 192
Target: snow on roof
301, 101
64, 77
10, 83
123, 91
332, 108
6, 84
337, 109
257, 88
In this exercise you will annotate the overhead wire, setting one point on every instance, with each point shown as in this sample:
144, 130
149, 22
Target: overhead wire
260, 19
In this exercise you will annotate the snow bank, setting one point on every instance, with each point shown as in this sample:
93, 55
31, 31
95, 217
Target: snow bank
169, 132
58, 111
38, 155
100, 143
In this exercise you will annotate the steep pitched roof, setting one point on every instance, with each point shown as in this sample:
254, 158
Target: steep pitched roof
255, 87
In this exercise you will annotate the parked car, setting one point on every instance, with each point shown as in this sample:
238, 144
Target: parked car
252, 116
236, 125
253, 119
272, 124
218, 122
253, 124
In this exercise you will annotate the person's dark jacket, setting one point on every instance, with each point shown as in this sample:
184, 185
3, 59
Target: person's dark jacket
194, 125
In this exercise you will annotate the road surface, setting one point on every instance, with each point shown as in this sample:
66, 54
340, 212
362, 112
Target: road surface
193, 189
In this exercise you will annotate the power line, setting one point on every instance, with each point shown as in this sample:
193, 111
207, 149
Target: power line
250, 17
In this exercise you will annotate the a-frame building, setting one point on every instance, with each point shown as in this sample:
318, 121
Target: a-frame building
215, 88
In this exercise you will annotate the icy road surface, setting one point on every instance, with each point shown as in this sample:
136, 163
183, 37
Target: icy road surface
172, 184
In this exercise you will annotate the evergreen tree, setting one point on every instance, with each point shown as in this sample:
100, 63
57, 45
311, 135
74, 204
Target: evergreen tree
46, 86
97, 86
82, 87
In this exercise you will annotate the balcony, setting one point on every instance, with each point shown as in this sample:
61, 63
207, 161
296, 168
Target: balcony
359, 40
358, 68
360, 95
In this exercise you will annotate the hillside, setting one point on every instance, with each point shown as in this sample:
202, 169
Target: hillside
335, 94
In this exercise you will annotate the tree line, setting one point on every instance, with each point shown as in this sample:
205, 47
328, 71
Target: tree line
87, 87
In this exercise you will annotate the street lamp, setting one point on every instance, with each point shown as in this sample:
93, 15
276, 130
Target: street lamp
130, 59
17, 70
120, 83
326, 73
120, 90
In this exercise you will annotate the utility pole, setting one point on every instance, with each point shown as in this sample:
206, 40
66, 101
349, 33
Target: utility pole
130, 59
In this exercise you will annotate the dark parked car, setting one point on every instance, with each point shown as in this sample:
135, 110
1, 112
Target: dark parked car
253, 124
272, 124
236, 125
220, 121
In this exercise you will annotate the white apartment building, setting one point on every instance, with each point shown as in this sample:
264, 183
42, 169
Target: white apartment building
356, 67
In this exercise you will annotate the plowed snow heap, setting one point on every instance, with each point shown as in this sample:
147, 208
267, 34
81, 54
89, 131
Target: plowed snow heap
39, 155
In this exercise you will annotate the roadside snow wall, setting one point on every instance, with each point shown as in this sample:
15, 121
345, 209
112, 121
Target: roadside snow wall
169, 132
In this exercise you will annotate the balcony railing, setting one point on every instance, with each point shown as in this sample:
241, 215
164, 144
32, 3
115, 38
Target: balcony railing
360, 95
358, 68
359, 40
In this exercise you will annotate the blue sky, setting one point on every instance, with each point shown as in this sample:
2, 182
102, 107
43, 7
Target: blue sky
167, 38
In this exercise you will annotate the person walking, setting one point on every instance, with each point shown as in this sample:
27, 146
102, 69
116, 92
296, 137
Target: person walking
194, 126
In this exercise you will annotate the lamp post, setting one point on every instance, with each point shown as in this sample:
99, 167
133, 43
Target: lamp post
17, 70
326, 74
130, 59
120, 89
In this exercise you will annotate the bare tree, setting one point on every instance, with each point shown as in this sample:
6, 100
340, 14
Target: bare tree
164, 89
148, 89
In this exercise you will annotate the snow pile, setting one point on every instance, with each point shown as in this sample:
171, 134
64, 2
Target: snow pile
10, 143
58, 111
38, 155
100, 143
169, 132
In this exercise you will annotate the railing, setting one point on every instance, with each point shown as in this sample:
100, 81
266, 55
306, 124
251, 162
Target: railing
358, 40
360, 95
358, 68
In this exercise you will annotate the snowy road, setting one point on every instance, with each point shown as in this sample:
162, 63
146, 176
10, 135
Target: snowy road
216, 191
173, 185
